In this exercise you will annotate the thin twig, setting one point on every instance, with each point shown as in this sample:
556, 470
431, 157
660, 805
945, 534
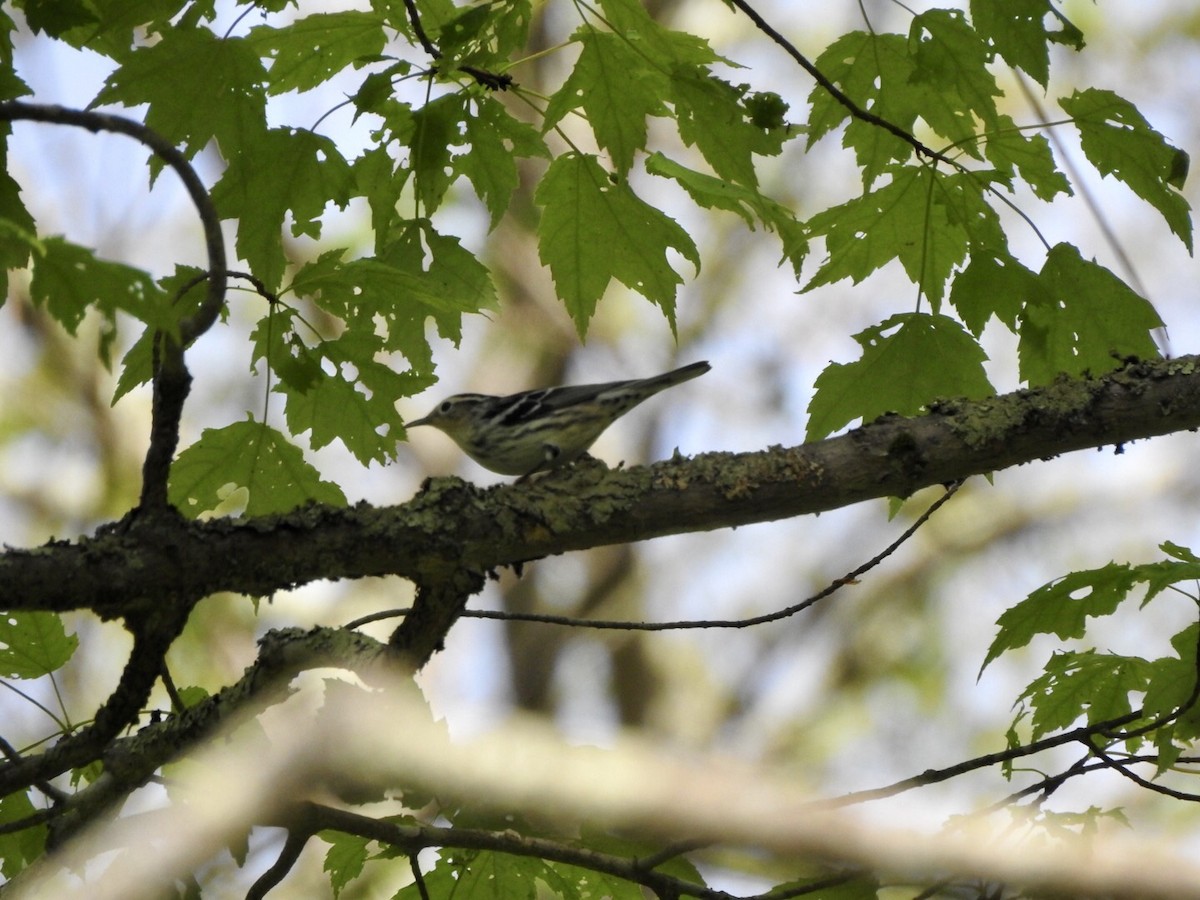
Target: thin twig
832, 89
935, 776
686, 624
288, 855
418, 878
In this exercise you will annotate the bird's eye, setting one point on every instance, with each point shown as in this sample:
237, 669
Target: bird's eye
445, 407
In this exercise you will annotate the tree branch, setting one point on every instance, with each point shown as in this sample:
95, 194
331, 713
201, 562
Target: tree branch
171, 379
453, 525
130, 762
413, 838
151, 639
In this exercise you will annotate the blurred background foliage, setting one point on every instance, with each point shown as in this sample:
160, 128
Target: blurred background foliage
877, 682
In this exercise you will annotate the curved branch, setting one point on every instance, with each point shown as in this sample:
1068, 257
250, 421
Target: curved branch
171, 380
293, 846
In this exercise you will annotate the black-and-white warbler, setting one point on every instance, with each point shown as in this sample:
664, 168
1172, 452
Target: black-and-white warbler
525, 433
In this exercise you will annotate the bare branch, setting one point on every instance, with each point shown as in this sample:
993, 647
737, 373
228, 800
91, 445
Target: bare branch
171, 380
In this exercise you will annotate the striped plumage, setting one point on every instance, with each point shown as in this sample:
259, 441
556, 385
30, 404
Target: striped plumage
543, 429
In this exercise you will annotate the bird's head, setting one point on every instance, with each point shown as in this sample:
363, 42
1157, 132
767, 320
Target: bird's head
456, 416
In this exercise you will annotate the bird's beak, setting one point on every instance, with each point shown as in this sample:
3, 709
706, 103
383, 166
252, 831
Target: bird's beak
424, 420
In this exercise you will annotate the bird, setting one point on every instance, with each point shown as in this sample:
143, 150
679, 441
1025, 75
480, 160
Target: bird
533, 431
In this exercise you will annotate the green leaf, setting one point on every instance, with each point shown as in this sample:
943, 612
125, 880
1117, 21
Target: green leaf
440, 883
198, 86
711, 115
1062, 607
958, 89
252, 456
876, 72
275, 341
496, 141
186, 292
1118, 141
284, 171
345, 858
355, 403
571, 882
69, 279
923, 358
114, 25
1172, 684
1016, 30
1011, 150
56, 17
313, 49
594, 229
437, 128
616, 88
659, 45
992, 286
33, 644
380, 180
453, 281
484, 36
420, 273
1082, 319
925, 220
1083, 684
18, 849
716, 193
346, 389
500, 876
18, 231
